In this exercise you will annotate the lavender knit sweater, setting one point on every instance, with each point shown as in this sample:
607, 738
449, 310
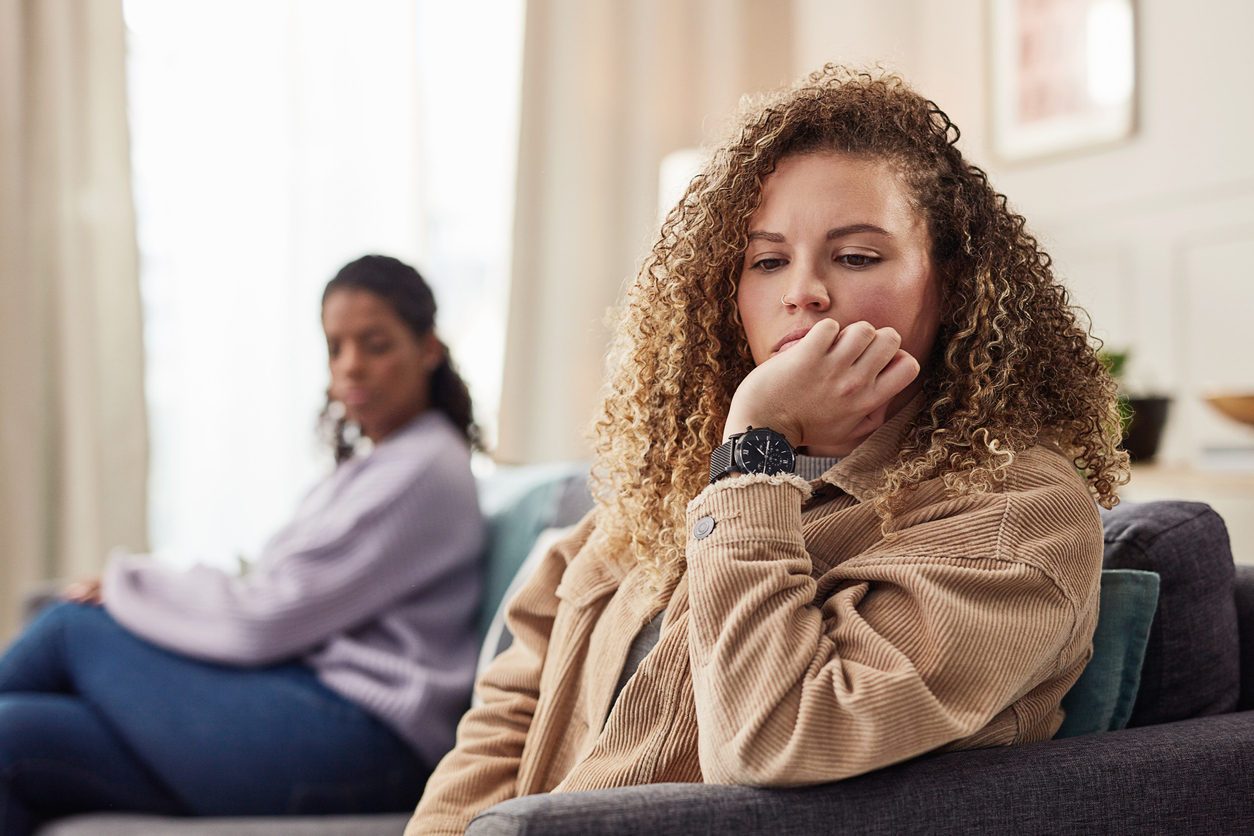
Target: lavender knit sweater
374, 584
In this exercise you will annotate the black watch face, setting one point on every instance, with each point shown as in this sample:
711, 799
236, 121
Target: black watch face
765, 451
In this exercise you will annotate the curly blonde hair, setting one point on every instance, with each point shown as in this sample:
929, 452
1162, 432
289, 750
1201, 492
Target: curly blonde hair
1012, 365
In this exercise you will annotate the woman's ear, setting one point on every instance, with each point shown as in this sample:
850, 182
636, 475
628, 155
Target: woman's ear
433, 351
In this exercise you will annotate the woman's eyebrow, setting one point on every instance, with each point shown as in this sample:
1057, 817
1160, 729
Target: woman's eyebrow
838, 232
853, 229
369, 332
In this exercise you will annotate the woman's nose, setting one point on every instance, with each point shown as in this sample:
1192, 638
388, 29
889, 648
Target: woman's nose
349, 361
806, 290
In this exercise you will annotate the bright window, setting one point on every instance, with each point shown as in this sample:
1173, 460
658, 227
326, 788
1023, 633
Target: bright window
273, 141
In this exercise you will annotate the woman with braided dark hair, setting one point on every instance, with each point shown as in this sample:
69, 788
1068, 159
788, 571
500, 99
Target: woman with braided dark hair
330, 676
850, 455
393, 286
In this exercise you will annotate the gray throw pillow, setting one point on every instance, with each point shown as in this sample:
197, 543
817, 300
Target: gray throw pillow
1191, 666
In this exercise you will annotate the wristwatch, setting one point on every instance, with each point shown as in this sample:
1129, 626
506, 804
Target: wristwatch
753, 451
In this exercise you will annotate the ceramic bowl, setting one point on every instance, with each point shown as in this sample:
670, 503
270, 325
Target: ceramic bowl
1237, 407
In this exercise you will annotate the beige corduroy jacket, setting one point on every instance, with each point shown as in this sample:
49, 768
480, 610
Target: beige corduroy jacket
800, 647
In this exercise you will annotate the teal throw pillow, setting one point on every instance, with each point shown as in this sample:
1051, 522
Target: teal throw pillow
519, 502
1103, 696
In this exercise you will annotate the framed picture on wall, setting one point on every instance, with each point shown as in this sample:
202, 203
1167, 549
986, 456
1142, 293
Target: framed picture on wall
1063, 75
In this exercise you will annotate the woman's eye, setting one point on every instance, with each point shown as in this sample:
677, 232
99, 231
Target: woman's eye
769, 264
858, 260
378, 347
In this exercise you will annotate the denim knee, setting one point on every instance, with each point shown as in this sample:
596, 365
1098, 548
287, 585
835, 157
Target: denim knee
39, 659
69, 615
57, 756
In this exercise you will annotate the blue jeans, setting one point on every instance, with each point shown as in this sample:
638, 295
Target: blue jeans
93, 718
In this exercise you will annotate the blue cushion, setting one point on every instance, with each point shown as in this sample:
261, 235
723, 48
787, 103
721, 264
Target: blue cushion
519, 502
1103, 696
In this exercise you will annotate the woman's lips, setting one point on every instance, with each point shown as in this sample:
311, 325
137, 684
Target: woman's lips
356, 397
790, 339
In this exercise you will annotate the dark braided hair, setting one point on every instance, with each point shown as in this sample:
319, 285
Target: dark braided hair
408, 294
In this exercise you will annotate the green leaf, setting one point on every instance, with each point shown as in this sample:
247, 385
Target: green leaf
1114, 361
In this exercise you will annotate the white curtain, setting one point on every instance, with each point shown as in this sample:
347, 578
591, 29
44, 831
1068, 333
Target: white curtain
610, 88
73, 444
276, 140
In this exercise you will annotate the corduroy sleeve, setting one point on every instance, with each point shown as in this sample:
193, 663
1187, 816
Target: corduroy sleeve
482, 768
919, 642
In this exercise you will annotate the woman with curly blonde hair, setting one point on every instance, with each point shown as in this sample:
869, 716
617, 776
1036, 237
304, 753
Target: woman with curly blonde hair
849, 461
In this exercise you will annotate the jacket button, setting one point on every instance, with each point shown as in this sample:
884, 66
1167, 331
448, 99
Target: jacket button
703, 528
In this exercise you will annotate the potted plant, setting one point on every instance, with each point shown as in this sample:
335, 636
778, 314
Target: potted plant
1143, 417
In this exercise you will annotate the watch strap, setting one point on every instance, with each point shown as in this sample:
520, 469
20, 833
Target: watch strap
722, 460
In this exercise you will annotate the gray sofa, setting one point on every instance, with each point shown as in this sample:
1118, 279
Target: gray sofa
1180, 767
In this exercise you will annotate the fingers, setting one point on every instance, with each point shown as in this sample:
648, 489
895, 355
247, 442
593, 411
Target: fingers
872, 348
901, 370
870, 353
83, 592
858, 361
833, 385
820, 339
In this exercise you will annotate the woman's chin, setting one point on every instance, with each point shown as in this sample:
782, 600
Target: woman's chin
364, 419
378, 427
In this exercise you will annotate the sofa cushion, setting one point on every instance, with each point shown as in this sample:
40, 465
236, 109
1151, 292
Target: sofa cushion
520, 502
1179, 778
1191, 663
1102, 698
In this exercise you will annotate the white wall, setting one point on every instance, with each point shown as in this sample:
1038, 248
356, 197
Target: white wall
1155, 236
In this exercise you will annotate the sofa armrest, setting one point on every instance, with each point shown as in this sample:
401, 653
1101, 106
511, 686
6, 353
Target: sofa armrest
1244, 594
1175, 777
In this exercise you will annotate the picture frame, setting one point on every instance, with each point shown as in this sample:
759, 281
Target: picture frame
1062, 76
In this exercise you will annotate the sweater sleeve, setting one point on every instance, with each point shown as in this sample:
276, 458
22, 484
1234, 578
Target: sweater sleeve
907, 648
396, 529
482, 769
